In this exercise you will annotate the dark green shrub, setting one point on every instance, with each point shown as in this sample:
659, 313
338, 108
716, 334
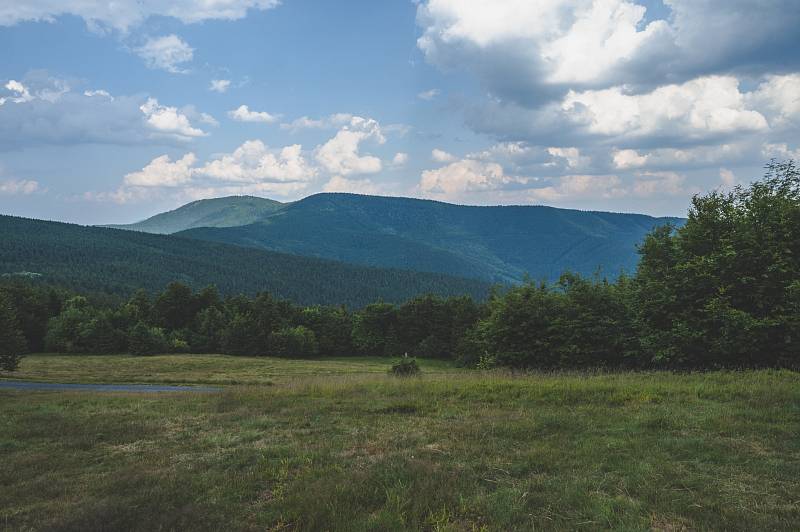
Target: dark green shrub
405, 367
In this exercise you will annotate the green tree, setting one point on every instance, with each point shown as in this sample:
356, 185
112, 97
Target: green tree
146, 340
12, 341
295, 342
721, 290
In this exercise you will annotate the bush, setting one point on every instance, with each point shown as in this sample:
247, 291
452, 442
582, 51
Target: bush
297, 342
405, 367
146, 340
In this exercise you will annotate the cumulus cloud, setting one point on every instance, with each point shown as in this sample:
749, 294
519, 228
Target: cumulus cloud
697, 108
441, 156
168, 121
252, 168
571, 155
253, 162
460, 178
124, 14
341, 154
523, 50
13, 187
219, 85
400, 158
244, 114
780, 150
779, 98
162, 172
19, 93
329, 122
166, 53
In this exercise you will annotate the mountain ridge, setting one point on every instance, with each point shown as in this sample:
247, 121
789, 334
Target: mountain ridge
492, 243
118, 262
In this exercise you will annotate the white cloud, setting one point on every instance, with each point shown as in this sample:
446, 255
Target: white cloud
254, 162
166, 53
779, 98
571, 155
698, 108
649, 184
20, 93
98, 93
252, 168
520, 49
441, 156
168, 120
13, 187
162, 172
780, 151
626, 159
340, 155
244, 114
355, 186
124, 14
465, 176
400, 158
219, 85
572, 187
429, 94
329, 122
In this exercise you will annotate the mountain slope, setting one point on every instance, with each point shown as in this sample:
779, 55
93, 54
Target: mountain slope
119, 262
218, 212
490, 243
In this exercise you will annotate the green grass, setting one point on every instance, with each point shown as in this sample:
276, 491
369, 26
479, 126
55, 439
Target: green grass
198, 369
446, 451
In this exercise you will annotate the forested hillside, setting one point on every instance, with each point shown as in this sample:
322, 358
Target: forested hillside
119, 262
218, 212
491, 243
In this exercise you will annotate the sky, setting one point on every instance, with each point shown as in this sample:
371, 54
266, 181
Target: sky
111, 112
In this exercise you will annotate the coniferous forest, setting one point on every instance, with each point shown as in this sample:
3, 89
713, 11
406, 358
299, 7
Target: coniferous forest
722, 291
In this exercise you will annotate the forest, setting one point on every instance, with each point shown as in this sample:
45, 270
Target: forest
722, 291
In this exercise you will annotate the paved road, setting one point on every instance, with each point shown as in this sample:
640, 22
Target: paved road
23, 385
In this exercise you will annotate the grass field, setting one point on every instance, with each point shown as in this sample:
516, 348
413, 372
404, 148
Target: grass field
199, 369
320, 449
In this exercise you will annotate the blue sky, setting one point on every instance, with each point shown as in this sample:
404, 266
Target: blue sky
111, 115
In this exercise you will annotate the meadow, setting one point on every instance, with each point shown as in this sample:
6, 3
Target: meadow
340, 445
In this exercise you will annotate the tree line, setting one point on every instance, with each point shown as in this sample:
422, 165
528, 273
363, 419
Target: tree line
721, 291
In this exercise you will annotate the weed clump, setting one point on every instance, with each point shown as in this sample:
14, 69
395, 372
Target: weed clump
405, 367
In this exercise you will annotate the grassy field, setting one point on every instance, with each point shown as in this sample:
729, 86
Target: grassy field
446, 451
199, 369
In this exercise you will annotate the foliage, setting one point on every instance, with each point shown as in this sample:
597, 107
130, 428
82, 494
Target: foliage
722, 290
405, 367
12, 341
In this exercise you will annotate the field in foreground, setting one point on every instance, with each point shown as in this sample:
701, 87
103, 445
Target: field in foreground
199, 369
480, 451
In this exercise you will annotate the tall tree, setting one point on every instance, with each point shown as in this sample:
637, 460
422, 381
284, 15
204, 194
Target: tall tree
12, 342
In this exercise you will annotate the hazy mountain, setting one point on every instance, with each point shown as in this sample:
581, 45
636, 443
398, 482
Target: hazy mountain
108, 260
219, 212
490, 243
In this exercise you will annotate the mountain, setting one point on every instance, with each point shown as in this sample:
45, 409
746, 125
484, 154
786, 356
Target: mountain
495, 244
219, 212
98, 259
